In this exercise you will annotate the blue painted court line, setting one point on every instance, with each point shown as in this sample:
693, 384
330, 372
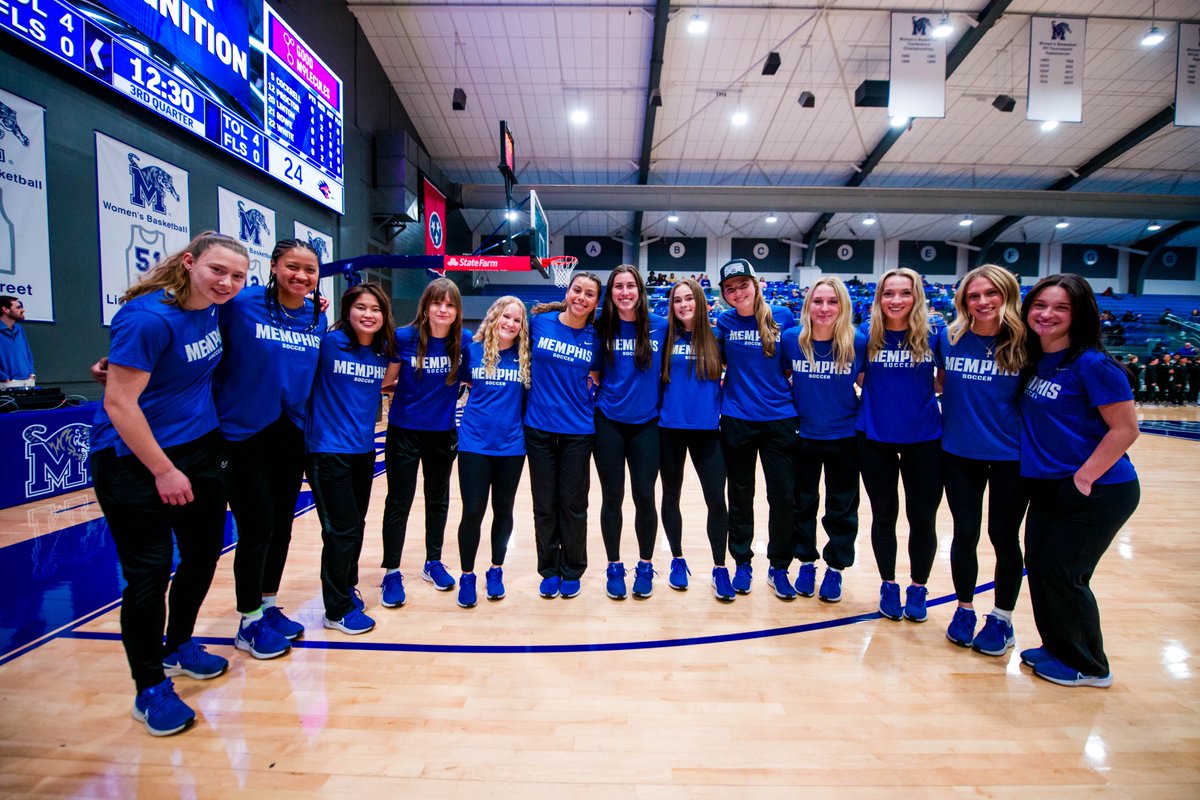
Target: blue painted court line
1174, 429
72, 508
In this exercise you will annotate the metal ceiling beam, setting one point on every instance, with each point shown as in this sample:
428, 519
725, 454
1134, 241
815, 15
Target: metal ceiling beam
844, 199
1153, 245
662, 15
986, 19
985, 239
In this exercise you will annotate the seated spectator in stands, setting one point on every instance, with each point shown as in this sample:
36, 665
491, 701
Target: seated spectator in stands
1108, 292
705, 283
788, 280
1129, 316
1189, 350
671, 279
854, 281
1195, 314
1159, 349
1115, 335
1165, 317
651, 279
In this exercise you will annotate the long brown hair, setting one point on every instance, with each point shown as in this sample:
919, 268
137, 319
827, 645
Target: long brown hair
384, 341
843, 328
489, 333
608, 324
917, 337
1010, 338
561, 305
440, 289
706, 352
170, 275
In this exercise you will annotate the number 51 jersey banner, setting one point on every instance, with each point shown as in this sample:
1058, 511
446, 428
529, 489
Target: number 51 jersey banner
143, 211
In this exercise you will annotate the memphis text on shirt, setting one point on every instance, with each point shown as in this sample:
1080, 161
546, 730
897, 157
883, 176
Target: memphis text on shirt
498, 377
291, 340
565, 350
629, 345
362, 373
750, 336
1039, 387
682, 349
207, 347
438, 365
976, 369
821, 370
898, 358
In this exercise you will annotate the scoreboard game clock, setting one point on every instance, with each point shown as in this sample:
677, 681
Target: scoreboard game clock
230, 71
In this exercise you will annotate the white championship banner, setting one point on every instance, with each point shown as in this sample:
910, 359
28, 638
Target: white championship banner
323, 244
143, 211
252, 224
917, 80
1056, 69
1187, 76
24, 220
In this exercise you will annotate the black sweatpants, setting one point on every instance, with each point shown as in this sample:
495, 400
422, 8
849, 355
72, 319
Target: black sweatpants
142, 527
618, 444
708, 459
265, 473
838, 458
479, 475
965, 480
341, 486
1065, 536
404, 449
919, 465
559, 479
774, 442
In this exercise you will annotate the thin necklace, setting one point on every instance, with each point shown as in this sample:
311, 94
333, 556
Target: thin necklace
818, 353
987, 348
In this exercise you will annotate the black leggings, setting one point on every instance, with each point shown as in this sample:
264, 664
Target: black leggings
341, 486
560, 475
477, 475
709, 461
142, 527
1065, 536
618, 444
965, 480
774, 442
838, 459
919, 465
435, 451
265, 473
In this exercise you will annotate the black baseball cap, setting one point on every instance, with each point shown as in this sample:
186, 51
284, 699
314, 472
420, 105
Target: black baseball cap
736, 268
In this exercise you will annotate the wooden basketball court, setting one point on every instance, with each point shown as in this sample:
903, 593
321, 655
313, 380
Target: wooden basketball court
674, 696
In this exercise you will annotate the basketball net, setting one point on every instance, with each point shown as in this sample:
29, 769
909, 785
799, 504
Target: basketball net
561, 268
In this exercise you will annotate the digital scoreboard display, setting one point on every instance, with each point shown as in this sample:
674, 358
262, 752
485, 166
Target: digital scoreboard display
230, 71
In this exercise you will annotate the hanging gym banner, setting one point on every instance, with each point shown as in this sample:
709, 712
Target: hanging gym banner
143, 207
434, 205
1187, 76
24, 221
252, 224
323, 244
1056, 69
917, 80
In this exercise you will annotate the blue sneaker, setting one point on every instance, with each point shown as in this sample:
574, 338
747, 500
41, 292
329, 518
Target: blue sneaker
995, 638
357, 599
914, 604
550, 586
614, 585
261, 640
962, 627
435, 572
889, 600
806, 580
1055, 671
393, 590
568, 589
161, 710
1034, 656
743, 577
193, 660
831, 586
354, 623
643, 580
467, 597
722, 588
781, 583
495, 583
287, 628
678, 579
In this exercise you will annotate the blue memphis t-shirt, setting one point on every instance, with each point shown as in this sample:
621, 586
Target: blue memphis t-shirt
424, 402
1061, 423
491, 422
345, 397
980, 417
687, 401
560, 400
823, 391
269, 363
898, 402
180, 349
628, 394
756, 388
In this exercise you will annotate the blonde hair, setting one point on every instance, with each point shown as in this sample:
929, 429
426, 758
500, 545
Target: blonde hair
843, 327
1010, 338
768, 328
172, 277
440, 289
916, 340
489, 334
707, 363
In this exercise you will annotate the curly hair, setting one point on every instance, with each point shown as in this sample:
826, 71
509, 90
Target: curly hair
489, 333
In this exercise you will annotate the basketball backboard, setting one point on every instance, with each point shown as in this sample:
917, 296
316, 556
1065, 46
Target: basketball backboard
539, 236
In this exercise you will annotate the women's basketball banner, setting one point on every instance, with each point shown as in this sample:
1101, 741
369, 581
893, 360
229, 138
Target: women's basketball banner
252, 224
917, 80
24, 221
1056, 69
1187, 76
434, 203
323, 244
143, 206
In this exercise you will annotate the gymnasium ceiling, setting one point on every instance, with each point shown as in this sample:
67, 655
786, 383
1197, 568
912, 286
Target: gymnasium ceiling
533, 62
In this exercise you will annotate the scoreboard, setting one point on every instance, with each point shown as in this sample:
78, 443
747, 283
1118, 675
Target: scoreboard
230, 71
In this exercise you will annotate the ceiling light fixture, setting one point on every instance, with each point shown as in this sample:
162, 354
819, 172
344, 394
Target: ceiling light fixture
697, 25
579, 117
869, 219
1154, 226
1049, 125
772, 218
510, 215
967, 221
807, 100
899, 122
1062, 223
1154, 36
943, 29
672, 217
739, 118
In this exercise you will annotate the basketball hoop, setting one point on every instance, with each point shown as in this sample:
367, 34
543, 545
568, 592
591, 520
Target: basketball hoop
561, 268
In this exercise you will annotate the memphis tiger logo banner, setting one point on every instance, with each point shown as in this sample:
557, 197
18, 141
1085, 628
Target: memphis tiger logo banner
323, 244
24, 220
252, 224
